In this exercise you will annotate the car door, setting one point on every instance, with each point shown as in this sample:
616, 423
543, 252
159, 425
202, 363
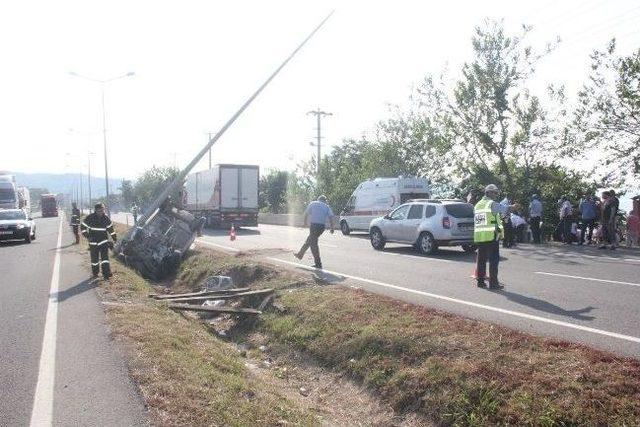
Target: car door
393, 225
409, 227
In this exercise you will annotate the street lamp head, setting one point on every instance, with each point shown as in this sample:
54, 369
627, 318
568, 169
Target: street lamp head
131, 73
73, 73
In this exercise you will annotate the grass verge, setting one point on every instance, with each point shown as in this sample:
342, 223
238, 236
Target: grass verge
185, 375
453, 370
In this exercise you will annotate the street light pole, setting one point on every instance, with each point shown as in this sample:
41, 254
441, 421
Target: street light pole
319, 113
104, 125
104, 141
89, 175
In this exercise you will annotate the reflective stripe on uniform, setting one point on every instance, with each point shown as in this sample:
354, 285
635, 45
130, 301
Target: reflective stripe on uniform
102, 243
106, 261
95, 263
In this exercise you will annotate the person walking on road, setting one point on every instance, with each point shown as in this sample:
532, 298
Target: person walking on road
609, 214
97, 227
75, 221
316, 215
587, 208
535, 217
487, 232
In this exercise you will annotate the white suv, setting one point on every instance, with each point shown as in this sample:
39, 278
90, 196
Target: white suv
426, 224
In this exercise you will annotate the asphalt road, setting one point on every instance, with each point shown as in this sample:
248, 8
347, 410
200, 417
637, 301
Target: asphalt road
575, 293
59, 365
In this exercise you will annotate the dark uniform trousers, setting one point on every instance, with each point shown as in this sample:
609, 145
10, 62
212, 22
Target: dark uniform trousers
488, 251
315, 231
97, 230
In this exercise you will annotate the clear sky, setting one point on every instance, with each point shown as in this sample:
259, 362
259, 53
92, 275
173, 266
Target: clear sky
195, 62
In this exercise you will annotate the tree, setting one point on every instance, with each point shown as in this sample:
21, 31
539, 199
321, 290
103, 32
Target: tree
489, 116
128, 193
607, 118
273, 191
151, 182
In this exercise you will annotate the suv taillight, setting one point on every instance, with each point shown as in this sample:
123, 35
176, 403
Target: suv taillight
446, 222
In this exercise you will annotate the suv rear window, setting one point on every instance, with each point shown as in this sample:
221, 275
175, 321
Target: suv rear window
460, 210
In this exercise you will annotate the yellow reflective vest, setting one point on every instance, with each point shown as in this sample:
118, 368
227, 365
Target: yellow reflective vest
487, 225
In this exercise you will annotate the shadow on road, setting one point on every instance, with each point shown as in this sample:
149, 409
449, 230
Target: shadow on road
547, 307
452, 254
85, 285
9, 243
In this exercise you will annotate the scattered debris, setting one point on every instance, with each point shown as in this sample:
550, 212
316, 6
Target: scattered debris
215, 283
228, 296
197, 294
303, 391
262, 348
230, 310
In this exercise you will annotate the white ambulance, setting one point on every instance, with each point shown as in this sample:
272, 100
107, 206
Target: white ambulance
375, 198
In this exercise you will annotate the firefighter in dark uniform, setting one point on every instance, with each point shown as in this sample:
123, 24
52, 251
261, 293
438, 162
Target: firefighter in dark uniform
97, 227
75, 221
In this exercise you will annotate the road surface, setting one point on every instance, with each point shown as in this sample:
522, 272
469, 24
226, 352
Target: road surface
59, 365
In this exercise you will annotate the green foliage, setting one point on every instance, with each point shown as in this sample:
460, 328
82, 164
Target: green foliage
608, 115
151, 183
127, 193
273, 191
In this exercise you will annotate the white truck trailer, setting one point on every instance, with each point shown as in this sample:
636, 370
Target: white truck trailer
226, 194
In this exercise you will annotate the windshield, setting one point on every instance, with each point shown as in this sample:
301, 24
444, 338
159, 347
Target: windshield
4, 215
460, 210
7, 195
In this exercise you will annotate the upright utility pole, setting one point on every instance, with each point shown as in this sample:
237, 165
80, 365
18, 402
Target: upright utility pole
209, 150
319, 113
89, 176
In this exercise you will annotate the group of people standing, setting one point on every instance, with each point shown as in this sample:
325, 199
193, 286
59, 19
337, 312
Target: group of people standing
592, 221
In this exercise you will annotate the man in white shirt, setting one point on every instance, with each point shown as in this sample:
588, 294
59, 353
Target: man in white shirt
316, 215
535, 216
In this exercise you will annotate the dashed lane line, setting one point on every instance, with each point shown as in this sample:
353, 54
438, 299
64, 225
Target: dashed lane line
469, 303
592, 279
42, 411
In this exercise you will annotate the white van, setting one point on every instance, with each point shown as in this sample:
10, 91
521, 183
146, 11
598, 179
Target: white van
375, 198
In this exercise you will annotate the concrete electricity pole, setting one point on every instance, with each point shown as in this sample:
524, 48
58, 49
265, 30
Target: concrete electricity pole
319, 113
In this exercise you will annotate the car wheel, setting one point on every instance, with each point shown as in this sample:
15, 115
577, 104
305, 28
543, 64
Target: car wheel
377, 239
469, 248
426, 244
344, 227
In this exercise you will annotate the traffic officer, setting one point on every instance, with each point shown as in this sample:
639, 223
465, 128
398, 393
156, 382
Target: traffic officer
487, 232
75, 221
97, 227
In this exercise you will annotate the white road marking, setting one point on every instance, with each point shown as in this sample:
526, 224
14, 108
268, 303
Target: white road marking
42, 412
471, 304
228, 248
593, 279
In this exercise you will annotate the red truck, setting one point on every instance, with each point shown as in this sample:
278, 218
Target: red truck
48, 205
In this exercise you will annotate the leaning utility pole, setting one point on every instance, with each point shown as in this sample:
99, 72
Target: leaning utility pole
319, 113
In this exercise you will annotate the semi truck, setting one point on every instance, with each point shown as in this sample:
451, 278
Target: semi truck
225, 195
48, 205
9, 198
